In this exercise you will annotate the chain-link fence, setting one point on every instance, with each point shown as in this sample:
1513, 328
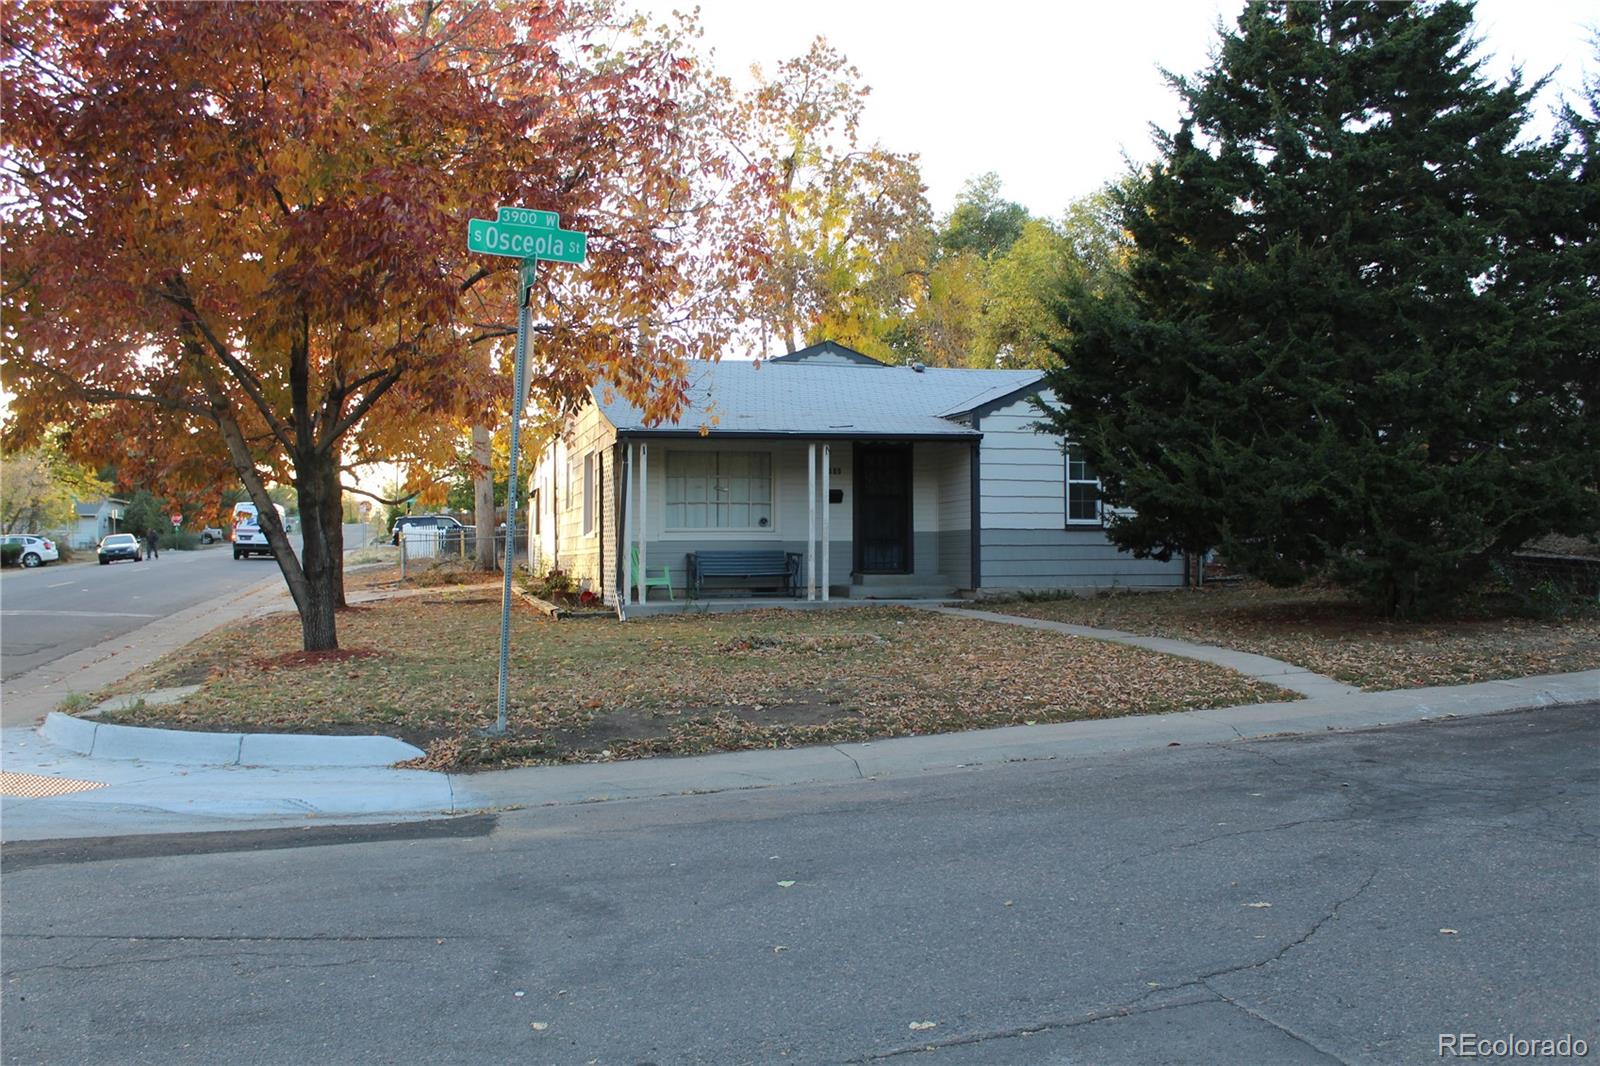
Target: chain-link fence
432, 546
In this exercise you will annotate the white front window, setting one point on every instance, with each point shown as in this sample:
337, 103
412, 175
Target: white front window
719, 490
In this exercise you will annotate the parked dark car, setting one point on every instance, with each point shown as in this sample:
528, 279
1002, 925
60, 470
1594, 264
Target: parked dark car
120, 546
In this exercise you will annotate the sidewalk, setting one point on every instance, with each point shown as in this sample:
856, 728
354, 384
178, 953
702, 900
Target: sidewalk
100, 795
1260, 667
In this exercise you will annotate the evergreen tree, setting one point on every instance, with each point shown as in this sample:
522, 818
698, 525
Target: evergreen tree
1356, 328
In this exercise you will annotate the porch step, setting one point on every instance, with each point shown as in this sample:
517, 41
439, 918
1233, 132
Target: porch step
901, 586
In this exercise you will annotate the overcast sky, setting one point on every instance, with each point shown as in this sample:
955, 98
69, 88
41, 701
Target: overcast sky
1050, 95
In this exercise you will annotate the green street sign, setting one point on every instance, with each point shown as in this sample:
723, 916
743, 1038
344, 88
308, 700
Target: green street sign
527, 216
525, 242
529, 268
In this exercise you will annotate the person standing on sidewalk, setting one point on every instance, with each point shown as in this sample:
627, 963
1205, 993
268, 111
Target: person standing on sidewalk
152, 540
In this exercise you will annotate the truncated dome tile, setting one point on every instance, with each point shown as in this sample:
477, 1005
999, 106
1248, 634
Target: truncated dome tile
37, 786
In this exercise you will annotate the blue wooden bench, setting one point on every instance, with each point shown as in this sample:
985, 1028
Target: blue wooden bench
749, 564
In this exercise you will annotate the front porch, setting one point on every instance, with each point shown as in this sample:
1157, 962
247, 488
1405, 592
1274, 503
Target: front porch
734, 604
874, 519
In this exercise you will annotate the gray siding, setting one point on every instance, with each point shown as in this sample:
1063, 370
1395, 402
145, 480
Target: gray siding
1027, 543
954, 474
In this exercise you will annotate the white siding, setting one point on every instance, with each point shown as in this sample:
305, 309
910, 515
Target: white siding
559, 479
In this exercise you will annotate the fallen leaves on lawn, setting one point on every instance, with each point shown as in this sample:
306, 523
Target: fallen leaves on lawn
674, 685
312, 658
1328, 633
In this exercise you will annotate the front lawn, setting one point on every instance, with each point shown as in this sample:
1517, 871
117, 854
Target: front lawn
1327, 632
424, 669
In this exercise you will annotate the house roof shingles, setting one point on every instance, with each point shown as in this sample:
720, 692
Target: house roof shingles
825, 400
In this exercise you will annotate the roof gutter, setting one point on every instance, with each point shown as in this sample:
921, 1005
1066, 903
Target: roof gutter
827, 434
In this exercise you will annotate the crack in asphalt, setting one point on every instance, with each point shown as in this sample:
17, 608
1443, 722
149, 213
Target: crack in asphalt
162, 938
1168, 849
1316, 927
279, 962
1290, 1033
1108, 1014
1134, 1006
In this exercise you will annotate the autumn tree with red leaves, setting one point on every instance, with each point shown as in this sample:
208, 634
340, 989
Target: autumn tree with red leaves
235, 234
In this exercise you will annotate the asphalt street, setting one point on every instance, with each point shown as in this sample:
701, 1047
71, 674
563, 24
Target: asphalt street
1342, 897
55, 610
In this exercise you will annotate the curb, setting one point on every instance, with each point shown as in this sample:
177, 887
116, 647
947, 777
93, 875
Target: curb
101, 740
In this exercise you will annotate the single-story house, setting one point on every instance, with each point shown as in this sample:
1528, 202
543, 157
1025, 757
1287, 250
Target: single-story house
876, 481
95, 519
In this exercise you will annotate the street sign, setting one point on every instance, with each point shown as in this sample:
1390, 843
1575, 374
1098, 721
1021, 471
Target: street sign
525, 242
527, 216
530, 236
177, 520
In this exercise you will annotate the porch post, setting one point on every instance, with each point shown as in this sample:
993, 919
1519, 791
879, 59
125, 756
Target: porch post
644, 518
827, 469
629, 586
811, 521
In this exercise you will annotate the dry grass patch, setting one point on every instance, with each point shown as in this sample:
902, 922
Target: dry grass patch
1327, 632
599, 689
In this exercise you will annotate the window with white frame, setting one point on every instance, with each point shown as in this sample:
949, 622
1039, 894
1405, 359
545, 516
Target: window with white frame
719, 490
1083, 489
588, 493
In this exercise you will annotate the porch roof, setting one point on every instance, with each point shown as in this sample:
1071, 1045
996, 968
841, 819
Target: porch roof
808, 399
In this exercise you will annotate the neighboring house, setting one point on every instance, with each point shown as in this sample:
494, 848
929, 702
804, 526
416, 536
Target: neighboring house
888, 480
96, 518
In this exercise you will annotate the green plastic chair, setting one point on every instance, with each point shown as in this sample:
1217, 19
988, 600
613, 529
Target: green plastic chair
662, 582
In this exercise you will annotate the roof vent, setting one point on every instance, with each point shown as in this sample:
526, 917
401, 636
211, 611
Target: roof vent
918, 367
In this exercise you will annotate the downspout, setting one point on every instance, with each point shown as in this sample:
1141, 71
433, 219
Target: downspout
619, 488
600, 502
976, 522
556, 502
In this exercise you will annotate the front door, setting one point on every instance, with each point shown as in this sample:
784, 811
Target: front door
883, 509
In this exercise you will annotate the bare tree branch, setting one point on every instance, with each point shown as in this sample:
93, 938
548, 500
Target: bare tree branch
177, 294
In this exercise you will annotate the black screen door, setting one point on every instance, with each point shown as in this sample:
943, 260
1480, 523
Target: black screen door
883, 509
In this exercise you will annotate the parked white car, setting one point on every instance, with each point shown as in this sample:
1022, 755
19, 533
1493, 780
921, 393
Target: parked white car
35, 551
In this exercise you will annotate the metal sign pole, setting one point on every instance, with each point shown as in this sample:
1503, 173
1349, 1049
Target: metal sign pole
518, 400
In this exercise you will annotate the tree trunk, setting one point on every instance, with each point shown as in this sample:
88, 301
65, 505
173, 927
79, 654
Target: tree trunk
483, 497
317, 479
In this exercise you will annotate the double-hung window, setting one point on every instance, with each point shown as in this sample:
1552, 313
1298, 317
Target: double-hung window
1083, 489
719, 490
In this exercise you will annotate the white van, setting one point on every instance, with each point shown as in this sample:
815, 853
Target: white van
248, 536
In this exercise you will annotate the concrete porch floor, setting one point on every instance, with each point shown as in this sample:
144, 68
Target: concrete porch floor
788, 603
